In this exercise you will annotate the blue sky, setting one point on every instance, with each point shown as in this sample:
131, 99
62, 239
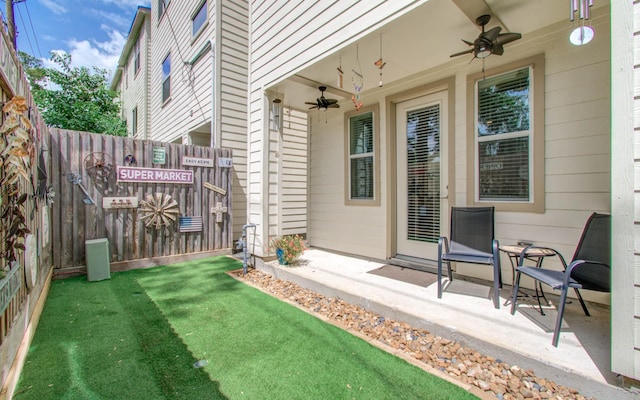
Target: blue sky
92, 31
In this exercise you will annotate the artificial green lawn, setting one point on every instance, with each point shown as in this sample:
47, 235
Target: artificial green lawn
138, 335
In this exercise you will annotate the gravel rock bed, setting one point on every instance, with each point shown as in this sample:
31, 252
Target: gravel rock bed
492, 376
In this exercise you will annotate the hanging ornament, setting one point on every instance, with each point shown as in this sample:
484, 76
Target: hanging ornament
340, 73
380, 63
358, 81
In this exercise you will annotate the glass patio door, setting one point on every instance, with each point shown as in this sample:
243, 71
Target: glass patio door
422, 175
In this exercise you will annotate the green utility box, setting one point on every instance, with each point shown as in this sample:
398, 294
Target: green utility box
97, 256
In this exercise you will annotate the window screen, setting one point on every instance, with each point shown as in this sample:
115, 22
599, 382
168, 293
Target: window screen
361, 162
199, 19
166, 78
503, 137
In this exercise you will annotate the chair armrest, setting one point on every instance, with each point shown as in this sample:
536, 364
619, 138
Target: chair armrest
443, 242
542, 252
576, 264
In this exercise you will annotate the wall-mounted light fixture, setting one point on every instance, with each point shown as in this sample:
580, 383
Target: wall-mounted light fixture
582, 34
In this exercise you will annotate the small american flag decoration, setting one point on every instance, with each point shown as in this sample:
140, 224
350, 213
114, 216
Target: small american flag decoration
190, 224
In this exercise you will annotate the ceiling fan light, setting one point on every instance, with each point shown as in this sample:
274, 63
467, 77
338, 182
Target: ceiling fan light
483, 52
581, 35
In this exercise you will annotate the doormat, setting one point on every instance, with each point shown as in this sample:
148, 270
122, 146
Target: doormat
408, 275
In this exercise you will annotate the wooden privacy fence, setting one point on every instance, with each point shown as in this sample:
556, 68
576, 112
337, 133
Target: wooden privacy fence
118, 188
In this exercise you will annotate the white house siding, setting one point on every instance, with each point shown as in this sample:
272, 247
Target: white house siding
234, 71
284, 40
625, 321
292, 185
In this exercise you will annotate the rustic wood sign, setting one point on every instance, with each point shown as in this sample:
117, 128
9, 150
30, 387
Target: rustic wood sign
197, 162
190, 224
154, 175
225, 162
215, 188
119, 202
218, 210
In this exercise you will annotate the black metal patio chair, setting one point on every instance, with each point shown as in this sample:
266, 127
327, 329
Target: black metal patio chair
589, 268
471, 241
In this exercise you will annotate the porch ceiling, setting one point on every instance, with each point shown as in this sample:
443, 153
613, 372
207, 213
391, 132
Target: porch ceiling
421, 39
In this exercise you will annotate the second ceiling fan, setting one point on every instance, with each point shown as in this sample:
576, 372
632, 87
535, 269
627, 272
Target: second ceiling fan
489, 42
322, 102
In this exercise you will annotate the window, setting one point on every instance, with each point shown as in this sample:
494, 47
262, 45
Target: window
162, 6
134, 121
166, 78
361, 145
199, 19
136, 57
508, 138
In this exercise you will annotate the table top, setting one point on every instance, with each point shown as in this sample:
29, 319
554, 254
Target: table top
515, 250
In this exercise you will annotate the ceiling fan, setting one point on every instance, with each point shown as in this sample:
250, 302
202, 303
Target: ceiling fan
489, 42
322, 102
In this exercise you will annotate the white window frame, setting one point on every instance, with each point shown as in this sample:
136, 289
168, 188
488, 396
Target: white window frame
162, 8
166, 78
374, 110
134, 121
535, 133
136, 57
196, 30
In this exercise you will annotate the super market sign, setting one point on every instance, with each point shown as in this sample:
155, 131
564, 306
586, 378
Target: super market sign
153, 175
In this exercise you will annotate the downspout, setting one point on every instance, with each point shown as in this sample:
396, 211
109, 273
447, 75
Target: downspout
216, 48
212, 138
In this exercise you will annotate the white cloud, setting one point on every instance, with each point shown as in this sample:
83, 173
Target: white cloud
118, 19
85, 53
53, 6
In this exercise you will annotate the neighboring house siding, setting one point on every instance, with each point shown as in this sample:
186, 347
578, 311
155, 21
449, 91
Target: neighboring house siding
285, 39
189, 105
133, 86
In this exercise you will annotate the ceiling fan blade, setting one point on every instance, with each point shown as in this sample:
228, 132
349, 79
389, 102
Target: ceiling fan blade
492, 33
497, 50
507, 38
334, 105
330, 101
462, 52
467, 42
310, 103
312, 107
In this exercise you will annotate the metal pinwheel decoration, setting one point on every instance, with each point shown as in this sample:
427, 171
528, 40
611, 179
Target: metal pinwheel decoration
159, 210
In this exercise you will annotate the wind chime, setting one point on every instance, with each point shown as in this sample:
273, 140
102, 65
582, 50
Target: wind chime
340, 73
380, 63
583, 34
358, 81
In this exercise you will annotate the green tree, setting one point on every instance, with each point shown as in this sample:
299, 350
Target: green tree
76, 98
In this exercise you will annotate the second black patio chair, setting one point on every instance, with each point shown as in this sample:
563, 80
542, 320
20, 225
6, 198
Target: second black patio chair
471, 241
589, 268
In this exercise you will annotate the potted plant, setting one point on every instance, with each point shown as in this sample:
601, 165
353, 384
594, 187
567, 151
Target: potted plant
288, 248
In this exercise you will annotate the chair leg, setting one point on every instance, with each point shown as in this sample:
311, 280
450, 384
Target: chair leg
514, 299
584, 306
497, 284
556, 331
439, 276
